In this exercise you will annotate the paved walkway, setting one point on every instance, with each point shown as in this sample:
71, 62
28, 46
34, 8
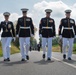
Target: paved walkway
37, 66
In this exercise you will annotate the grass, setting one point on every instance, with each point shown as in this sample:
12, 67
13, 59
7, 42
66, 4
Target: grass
14, 50
74, 49
56, 48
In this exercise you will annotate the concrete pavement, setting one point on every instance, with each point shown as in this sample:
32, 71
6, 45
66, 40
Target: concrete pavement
37, 66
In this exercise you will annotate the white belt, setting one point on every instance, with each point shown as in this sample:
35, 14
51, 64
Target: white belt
46, 27
24, 27
70, 28
67, 28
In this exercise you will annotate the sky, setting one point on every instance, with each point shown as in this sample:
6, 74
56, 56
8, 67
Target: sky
36, 10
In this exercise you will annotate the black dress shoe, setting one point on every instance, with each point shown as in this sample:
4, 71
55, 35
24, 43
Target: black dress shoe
23, 60
8, 59
27, 57
5, 59
69, 58
43, 56
49, 59
64, 56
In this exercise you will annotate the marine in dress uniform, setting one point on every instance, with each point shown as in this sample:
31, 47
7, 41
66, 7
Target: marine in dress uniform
67, 34
24, 30
8, 33
47, 33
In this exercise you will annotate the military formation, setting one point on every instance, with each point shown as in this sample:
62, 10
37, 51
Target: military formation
47, 32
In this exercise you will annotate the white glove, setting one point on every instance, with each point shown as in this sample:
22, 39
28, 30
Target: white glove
40, 35
75, 36
32, 35
60, 36
0, 39
17, 36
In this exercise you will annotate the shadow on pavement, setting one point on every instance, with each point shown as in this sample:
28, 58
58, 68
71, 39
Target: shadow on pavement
2, 62
70, 61
14, 63
43, 62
